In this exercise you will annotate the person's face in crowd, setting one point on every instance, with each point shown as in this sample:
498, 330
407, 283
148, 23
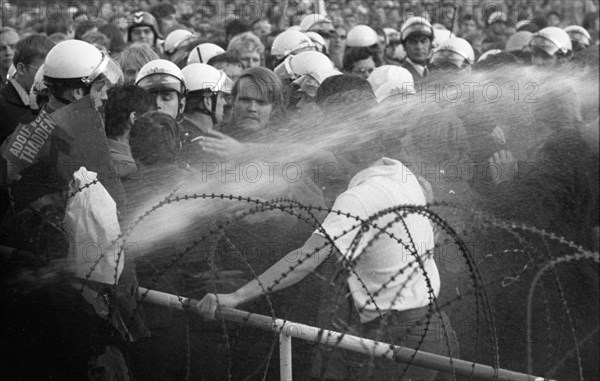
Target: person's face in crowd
350, 21
251, 109
418, 48
205, 30
107, 12
325, 30
233, 71
26, 72
143, 34
130, 71
468, 27
363, 68
448, 16
167, 101
184, 7
168, 22
498, 28
250, 59
8, 41
553, 20
147, 5
262, 28
338, 40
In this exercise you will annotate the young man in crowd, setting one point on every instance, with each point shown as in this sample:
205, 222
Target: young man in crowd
125, 104
30, 53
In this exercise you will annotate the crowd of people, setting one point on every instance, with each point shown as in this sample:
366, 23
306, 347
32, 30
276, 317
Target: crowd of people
162, 98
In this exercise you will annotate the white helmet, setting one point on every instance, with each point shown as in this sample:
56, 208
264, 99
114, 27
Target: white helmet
203, 77
489, 53
391, 35
318, 40
579, 35
439, 36
290, 42
552, 40
416, 25
204, 52
306, 63
161, 75
176, 38
455, 51
390, 80
78, 63
518, 41
37, 87
361, 36
309, 21
309, 83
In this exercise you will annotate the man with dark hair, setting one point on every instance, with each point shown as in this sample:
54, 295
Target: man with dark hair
345, 91
84, 27
235, 27
165, 15
59, 25
467, 26
30, 53
359, 62
229, 63
125, 104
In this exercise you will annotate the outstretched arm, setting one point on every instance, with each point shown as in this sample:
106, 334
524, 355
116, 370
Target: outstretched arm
304, 260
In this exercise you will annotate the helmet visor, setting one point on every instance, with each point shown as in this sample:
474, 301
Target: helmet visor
224, 84
579, 38
161, 82
307, 84
543, 43
446, 58
108, 70
417, 30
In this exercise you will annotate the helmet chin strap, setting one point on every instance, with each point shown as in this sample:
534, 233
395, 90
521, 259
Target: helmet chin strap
213, 111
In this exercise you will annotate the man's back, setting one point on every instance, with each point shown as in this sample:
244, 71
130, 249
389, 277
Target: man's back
385, 265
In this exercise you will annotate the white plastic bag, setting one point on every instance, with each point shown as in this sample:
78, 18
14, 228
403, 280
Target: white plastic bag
93, 229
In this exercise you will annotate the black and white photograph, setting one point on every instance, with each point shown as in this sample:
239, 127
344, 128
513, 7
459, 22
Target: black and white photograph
307, 190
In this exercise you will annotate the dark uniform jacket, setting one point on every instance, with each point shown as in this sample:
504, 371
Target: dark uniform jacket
12, 110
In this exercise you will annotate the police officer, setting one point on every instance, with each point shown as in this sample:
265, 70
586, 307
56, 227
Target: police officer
68, 133
550, 46
165, 80
206, 99
416, 36
452, 55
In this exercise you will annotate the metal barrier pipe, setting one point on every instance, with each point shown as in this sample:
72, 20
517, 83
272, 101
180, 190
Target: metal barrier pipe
349, 342
285, 356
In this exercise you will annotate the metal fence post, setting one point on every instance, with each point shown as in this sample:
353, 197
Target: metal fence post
285, 356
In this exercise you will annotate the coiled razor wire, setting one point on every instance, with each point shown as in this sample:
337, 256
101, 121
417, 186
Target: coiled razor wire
478, 290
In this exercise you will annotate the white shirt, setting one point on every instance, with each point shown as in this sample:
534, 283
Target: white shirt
386, 184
